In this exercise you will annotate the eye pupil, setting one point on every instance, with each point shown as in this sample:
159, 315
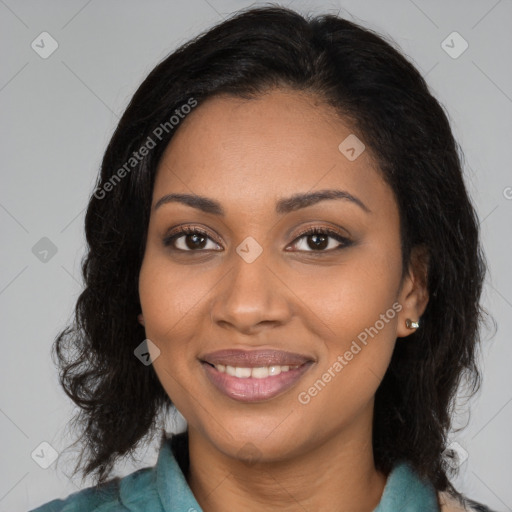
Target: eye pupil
324, 241
195, 237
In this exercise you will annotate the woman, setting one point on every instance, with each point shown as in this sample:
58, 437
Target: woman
281, 227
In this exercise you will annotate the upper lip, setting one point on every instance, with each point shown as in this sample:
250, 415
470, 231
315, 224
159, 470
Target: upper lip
255, 358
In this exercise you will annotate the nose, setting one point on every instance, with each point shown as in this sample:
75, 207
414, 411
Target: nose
251, 297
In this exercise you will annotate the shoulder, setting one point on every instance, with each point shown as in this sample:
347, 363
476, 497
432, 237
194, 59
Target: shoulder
449, 503
131, 493
104, 498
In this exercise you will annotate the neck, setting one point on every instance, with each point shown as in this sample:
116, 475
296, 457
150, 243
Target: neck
338, 474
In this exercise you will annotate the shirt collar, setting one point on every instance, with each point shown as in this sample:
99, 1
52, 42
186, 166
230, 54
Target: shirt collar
406, 492
173, 489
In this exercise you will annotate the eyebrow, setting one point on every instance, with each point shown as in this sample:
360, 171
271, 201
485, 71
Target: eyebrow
283, 205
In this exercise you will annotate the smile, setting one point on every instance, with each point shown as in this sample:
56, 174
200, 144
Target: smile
260, 372
256, 383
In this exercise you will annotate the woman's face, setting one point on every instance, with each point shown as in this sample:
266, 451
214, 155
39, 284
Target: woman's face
250, 281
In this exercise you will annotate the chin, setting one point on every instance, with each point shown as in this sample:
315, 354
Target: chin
257, 445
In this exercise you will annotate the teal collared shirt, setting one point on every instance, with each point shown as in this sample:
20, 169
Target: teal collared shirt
163, 488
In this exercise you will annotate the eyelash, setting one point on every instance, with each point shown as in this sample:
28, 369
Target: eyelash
192, 230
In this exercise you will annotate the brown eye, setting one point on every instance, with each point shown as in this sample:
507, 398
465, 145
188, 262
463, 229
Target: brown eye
189, 239
317, 240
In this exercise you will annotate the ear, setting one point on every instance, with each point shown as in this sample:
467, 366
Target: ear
413, 295
140, 318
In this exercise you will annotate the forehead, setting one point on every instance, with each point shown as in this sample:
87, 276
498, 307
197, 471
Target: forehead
249, 153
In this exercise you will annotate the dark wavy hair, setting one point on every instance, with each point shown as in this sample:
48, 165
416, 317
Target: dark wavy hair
386, 101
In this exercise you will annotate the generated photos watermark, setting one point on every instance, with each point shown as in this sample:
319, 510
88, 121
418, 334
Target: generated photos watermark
304, 397
150, 143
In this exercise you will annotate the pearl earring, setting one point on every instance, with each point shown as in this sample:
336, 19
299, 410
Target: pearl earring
411, 324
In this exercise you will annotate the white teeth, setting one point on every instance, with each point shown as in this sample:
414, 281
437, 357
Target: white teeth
260, 372
243, 373
274, 370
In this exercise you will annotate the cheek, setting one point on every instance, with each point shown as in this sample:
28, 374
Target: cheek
355, 359
167, 305
165, 302
352, 295
357, 302
170, 296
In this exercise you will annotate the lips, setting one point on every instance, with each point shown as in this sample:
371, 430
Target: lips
255, 358
252, 389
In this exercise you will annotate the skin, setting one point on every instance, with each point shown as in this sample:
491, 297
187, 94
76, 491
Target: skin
246, 154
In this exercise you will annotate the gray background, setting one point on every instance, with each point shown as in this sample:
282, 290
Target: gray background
57, 116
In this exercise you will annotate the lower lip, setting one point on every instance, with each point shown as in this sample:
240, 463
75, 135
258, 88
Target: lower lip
251, 389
